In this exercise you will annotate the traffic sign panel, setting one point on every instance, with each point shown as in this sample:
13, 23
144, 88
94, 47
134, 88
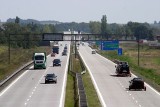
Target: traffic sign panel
119, 51
52, 37
110, 45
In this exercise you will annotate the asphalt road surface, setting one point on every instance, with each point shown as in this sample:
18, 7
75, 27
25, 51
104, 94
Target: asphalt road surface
30, 90
113, 91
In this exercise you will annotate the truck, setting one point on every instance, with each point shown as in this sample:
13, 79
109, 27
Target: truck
122, 69
55, 49
40, 60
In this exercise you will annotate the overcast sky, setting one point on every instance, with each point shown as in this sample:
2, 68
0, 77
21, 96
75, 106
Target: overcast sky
117, 11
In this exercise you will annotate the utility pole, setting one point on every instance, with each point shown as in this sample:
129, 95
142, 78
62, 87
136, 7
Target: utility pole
75, 46
138, 50
9, 50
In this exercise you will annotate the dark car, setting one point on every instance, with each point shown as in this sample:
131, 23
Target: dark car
56, 62
50, 78
65, 47
122, 69
137, 83
64, 52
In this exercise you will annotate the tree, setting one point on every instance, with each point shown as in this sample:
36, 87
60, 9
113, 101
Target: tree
143, 31
95, 27
104, 24
17, 20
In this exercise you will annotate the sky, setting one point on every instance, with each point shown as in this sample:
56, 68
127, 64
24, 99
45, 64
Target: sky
117, 11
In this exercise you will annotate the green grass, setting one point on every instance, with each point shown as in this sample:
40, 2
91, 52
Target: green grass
3, 49
91, 94
157, 61
69, 100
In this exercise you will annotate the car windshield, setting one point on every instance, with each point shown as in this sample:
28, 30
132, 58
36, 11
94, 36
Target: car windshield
39, 57
137, 79
50, 75
56, 60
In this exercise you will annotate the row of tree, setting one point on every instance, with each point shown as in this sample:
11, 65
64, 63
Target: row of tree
131, 29
23, 35
113, 31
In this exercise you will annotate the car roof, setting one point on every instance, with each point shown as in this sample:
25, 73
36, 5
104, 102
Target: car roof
137, 79
56, 59
123, 62
42, 54
50, 74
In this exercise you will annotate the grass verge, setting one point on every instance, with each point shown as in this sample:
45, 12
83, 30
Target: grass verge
18, 57
69, 100
91, 93
92, 97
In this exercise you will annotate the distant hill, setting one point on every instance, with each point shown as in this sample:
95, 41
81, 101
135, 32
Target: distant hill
30, 21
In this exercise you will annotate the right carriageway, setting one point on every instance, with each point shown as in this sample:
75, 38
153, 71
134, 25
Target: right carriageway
112, 90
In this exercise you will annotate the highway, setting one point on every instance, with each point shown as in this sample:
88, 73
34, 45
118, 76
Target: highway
113, 91
29, 89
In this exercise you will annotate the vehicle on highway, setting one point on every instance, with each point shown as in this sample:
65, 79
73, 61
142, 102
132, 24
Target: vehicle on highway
65, 47
137, 83
39, 60
93, 51
56, 62
122, 69
55, 48
64, 53
50, 78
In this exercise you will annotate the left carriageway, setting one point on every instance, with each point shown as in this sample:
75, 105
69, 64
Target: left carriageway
30, 90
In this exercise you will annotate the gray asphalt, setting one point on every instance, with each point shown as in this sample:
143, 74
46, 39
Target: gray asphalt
113, 91
29, 89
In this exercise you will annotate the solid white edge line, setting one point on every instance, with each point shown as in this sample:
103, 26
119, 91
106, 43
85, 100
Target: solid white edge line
62, 98
95, 84
10, 85
14, 82
135, 76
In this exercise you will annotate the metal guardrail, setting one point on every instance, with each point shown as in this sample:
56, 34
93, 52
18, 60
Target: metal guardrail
81, 91
15, 73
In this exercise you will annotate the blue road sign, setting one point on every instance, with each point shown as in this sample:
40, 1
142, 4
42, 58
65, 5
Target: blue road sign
119, 51
110, 45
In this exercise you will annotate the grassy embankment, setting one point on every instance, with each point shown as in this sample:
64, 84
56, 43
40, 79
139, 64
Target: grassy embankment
91, 94
149, 68
18, 58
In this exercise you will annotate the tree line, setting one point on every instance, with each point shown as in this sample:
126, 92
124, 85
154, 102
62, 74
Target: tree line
23, 35
131, 29
116, 31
